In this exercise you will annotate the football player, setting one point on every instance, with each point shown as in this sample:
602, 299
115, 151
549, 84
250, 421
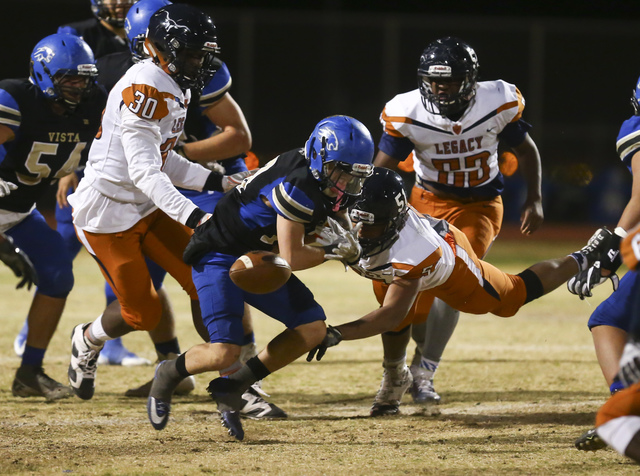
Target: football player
46, 125
104, 33
216, 130
453, 124
126, 207
609, 323
618, 421
276, 209
417, 258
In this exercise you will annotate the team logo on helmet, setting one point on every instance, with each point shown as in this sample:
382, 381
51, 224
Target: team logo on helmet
329, 138
169, 24
44, 53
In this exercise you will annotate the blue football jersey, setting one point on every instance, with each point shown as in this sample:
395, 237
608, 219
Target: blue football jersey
47, 146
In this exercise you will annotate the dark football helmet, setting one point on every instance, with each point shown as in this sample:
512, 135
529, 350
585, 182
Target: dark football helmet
63, 68
382, 209
182, 40
448, 58
112, 12
137, 22
340, 152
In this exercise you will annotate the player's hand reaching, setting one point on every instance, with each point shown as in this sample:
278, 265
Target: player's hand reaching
6, 188
340, 244
333, 337
229, 182
19, 262
531, 217
66, 183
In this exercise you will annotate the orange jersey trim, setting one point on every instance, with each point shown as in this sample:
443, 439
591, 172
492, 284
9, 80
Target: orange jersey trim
146, 101
422, 268
388, 127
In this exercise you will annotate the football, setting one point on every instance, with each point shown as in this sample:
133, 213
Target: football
260, 272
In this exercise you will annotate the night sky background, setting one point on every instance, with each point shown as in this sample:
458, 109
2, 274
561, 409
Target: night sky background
295, 62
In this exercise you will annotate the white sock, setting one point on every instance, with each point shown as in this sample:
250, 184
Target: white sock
395, 364
97, 333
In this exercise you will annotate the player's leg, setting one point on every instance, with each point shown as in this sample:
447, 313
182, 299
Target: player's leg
53, 264
440, 325
618, 422
122, 264
396, 376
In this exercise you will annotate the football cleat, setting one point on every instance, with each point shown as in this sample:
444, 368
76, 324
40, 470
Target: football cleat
231, 421
395, 382
115, 353
590, 441
422, 390
159, 401
31, 381
257, 408
20, 341
84, 363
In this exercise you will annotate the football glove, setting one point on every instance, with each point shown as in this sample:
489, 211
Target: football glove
19, 263
629, 372
333, 337
340, 244
229, 182
608, 258
6, 188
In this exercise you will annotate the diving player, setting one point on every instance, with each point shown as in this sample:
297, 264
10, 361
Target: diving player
452, 123
46, 125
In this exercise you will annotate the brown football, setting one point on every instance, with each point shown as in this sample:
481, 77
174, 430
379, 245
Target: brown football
260, 272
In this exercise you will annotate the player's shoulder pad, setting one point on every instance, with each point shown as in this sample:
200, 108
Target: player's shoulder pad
217, 87
147, 90
13, 91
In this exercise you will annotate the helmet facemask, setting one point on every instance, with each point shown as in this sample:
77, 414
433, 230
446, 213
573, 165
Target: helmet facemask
344, 181
377, 235
112, 12
445, 104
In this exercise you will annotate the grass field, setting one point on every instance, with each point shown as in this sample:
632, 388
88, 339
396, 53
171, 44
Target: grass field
515, 394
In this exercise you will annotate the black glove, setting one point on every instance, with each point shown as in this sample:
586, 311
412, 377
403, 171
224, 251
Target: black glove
608, 259
333, 337
19, 263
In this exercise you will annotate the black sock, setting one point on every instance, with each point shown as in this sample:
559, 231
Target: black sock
181, 366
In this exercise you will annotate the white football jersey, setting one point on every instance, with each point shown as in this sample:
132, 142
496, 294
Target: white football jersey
132, 168
419, 253
461, 154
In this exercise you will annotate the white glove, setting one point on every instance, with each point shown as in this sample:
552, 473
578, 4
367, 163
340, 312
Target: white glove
341, 244
6, 188
229, 182
629, 372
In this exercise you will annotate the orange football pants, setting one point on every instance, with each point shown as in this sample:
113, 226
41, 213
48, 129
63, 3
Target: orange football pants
501, 293
626, 402
121, 257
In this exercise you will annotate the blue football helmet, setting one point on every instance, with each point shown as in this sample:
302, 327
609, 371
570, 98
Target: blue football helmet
382, 209
63, 68
448, 58
112, 12
340, 154
137, 22
182, 40
635, 98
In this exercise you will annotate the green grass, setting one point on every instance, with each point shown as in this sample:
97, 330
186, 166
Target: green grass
516, 393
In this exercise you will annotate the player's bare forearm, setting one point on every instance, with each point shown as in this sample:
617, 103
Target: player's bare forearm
529, 159
385, 160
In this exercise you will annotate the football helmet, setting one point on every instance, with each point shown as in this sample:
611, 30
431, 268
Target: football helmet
635, 97
63, 68
137, 22
448, 58
112, 12
182, 41
382, 209
340, 154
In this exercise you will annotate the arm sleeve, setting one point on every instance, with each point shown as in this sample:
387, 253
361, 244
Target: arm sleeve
397, 147
515, 132
141, 139
184, 173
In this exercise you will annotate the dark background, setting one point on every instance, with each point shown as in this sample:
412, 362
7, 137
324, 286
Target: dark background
295, 62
